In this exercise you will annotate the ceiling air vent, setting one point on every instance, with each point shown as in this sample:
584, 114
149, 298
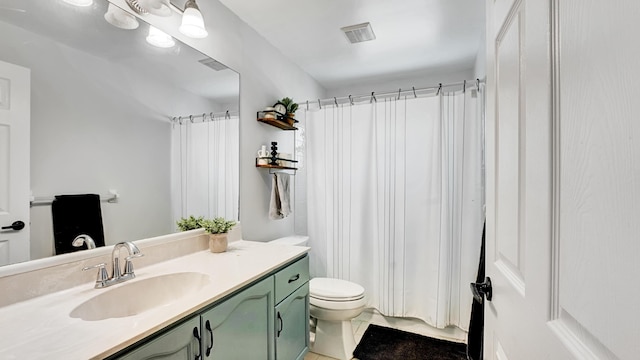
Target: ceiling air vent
212, 64
359, 33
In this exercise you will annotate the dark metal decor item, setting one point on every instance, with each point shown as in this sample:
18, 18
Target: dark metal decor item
274, 153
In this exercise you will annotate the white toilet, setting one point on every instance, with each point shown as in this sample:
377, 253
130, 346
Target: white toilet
333, 303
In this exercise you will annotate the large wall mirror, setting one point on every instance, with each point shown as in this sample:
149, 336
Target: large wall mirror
111, 112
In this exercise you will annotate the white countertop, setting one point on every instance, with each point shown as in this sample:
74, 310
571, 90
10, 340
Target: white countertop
41, 327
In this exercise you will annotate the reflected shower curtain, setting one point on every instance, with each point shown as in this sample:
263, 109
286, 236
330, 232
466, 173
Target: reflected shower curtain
205, 169
395, 197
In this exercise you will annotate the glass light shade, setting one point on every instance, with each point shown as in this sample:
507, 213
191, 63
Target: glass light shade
120, 18
159, 38
193, 24
156, 7
79, 2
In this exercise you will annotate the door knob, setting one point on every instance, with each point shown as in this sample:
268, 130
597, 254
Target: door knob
17, 225
482, 289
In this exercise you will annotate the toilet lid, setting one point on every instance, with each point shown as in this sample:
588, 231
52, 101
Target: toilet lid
335, 289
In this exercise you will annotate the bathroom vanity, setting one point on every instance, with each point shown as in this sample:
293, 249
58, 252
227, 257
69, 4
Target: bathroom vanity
250, 302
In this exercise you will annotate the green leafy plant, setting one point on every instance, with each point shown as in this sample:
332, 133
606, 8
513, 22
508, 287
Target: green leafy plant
218, 225
190, 223
292, 107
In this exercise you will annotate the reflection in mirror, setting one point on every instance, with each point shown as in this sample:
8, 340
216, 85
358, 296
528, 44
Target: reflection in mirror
102, 103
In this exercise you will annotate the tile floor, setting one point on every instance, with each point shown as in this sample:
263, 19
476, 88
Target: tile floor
370, 316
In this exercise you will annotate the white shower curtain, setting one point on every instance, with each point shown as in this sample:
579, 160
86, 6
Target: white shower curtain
205, 168
395, 201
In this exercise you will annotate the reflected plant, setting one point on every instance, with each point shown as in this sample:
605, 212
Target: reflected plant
190, 223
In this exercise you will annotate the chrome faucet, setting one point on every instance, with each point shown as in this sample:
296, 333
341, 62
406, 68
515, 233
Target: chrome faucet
103, 280
84, 239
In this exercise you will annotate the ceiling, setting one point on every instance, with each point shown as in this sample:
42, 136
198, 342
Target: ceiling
412, 36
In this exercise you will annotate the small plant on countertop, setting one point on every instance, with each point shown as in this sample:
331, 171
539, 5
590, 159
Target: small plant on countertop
218, 225
190, 223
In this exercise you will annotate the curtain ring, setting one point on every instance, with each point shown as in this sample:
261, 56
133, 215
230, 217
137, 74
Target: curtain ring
399, 93
373, 98
227, 115
204, 117
335, 101
439, 88
319, 104
307, 105
180, 120
414, 92
464, 86
191, 118
350, 100
478, 84
211, 115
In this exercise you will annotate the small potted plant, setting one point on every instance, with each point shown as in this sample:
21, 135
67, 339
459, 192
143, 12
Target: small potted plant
292, 107
218, 229
190, 223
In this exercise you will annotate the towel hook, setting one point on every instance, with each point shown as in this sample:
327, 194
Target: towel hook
414, 92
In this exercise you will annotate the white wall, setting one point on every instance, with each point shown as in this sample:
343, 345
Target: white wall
97, 126
265, 76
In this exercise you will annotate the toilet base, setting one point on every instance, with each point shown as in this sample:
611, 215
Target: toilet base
334, 339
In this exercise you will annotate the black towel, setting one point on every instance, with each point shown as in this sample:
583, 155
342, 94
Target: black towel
476, 325
74, 215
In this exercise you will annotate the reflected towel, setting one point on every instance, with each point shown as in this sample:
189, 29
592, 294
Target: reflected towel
280, 205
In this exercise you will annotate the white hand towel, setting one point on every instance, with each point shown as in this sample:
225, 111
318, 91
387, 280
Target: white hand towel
274, 204
279, 206
283, 192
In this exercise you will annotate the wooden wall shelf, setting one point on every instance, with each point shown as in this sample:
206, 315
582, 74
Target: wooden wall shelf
277, 123
276, 119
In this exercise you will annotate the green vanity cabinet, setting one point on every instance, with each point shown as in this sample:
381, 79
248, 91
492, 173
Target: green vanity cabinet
241, 327
267, 320
176, 344
292, 322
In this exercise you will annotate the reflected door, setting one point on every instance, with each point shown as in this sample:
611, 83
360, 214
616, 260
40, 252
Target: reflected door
15, 101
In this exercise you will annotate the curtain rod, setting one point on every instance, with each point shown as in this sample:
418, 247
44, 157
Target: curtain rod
203, 117
373, 96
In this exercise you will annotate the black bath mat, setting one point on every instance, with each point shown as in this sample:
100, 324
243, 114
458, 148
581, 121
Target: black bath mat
382, 343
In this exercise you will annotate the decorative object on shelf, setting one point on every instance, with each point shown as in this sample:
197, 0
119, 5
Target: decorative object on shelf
218, 229
263, 156
190, 223
284, 159
280, 107
274, 153
270, 113
291, 108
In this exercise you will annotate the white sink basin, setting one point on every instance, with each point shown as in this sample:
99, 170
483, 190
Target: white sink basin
137, 296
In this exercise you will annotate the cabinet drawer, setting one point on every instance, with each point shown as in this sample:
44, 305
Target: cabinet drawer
291, 278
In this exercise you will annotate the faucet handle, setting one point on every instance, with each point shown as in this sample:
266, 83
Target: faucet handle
128, 265
103, 276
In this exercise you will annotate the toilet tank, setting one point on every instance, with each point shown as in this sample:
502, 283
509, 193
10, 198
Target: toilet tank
297, 240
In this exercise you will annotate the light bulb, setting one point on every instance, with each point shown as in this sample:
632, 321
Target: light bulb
159, 38
192, 22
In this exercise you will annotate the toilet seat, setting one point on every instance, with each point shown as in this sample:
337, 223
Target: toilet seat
335, 294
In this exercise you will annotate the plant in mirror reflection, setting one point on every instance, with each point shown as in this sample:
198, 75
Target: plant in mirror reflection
190, 223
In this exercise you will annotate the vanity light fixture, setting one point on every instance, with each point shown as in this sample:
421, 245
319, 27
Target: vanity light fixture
79, 2
120, 18
192, 21
156, 7
159, 38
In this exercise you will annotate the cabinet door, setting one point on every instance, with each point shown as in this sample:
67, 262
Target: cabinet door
241, 327
178, 343
292, 325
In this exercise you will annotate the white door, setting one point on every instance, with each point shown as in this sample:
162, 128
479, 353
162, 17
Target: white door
563, 180
15, 98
